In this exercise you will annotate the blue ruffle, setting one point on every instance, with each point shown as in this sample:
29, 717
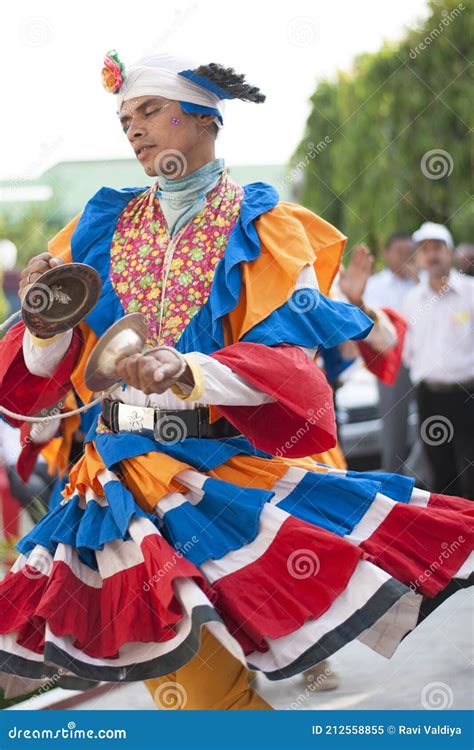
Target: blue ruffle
86, 529
395, 486
56, 496
310, 319
198, 334
201, 453
334, 363
225, 519
332, 502
204, 333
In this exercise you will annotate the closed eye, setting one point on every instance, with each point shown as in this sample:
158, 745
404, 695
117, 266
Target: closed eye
125, 122
155, 111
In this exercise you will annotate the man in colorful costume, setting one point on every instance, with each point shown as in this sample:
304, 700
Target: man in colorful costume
196, 538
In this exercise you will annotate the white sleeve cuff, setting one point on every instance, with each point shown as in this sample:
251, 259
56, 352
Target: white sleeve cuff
42, 356
383, 335
221, 386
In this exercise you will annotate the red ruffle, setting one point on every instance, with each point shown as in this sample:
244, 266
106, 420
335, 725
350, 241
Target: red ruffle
451, 502
421, 547
385, 365
23, 392
130, 607
20, 595
264, 600
301, 420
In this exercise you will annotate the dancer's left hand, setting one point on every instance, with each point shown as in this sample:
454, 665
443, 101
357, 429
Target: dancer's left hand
154, 372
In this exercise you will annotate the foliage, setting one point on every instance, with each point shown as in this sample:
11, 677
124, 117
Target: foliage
30, 230
381, 121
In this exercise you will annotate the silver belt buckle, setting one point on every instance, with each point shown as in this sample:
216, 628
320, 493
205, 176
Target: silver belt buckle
139, 419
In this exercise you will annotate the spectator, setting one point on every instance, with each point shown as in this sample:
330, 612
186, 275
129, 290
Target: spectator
389, 288
439, 350
464, 258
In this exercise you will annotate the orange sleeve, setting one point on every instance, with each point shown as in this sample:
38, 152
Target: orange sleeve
60, 245
291, 237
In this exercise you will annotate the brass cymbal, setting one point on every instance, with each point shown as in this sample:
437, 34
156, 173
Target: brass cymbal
127, 336
61, 298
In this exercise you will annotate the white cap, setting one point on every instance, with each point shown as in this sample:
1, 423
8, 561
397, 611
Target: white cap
431, 231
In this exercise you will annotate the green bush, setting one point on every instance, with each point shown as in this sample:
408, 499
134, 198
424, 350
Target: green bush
382, 120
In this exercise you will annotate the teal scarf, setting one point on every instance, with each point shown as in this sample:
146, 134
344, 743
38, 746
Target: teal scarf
182, 199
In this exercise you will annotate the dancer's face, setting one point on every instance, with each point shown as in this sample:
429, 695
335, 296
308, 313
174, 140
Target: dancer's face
166, 140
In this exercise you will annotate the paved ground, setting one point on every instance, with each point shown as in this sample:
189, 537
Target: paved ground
435, 661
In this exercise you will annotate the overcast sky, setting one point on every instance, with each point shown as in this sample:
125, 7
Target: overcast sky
51, 52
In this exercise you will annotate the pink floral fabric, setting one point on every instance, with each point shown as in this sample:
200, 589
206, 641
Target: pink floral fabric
139, 254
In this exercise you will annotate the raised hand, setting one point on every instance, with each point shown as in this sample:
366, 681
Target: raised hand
354, 278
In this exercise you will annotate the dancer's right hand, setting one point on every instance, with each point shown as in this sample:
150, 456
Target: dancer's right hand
35, 268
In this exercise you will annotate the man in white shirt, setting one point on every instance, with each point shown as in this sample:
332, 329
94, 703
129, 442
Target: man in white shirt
389, 288
464, 258
439, 351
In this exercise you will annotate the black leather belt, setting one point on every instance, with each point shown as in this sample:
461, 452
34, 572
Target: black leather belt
164, 425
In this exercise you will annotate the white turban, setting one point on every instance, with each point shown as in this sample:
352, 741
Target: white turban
159, 76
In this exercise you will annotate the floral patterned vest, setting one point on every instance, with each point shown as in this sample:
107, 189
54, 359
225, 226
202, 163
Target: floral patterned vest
144, 259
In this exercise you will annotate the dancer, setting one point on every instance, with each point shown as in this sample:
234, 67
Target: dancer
197, 538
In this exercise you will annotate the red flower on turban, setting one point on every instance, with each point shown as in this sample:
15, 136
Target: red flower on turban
112, 73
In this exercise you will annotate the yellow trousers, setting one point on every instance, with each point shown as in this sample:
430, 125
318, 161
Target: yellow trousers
212, 680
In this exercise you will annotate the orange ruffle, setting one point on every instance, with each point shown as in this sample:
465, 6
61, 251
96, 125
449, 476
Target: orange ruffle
84, 473
291, 237
250, 471
150, 477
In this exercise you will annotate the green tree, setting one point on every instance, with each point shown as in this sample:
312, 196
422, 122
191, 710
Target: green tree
30, 230
400, 150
